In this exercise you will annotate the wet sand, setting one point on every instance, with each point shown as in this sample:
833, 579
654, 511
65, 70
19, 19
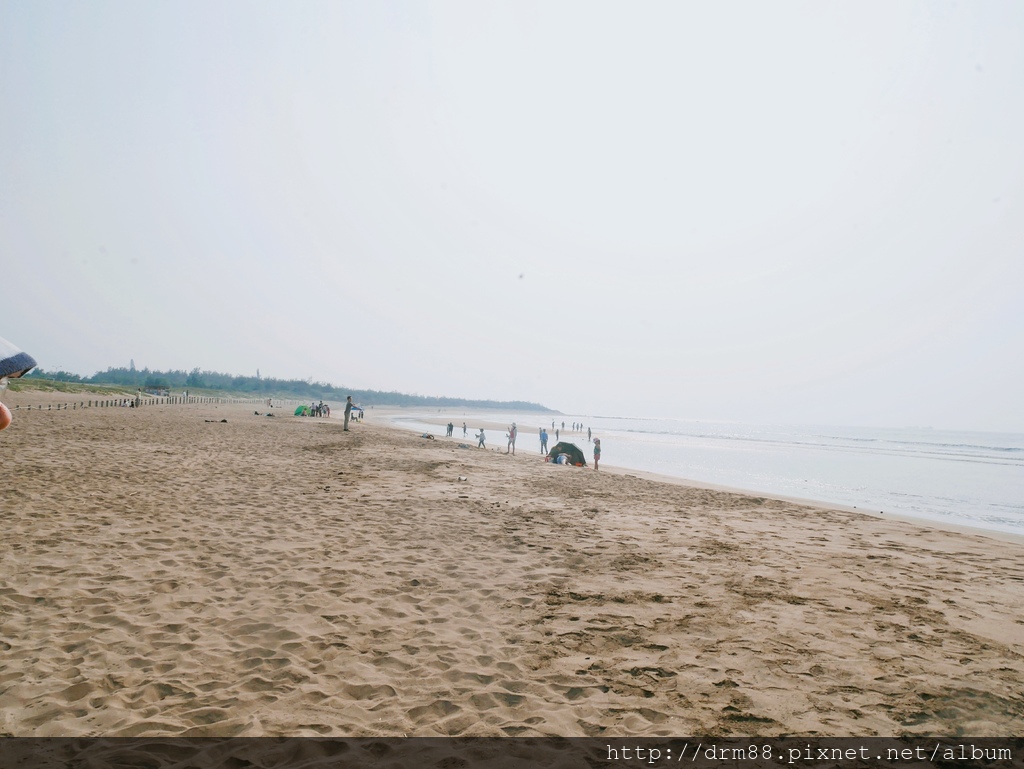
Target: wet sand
167, 575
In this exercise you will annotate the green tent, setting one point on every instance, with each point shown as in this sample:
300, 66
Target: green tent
302, 411
571, 450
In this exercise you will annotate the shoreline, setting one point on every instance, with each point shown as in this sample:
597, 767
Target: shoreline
19, 400
1002, 536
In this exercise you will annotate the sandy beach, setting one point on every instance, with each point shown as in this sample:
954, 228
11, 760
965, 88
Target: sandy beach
168, 573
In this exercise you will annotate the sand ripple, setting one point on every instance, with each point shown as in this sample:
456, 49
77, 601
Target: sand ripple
163, 575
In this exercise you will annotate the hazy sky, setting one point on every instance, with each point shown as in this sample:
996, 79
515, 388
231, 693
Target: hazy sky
770, 212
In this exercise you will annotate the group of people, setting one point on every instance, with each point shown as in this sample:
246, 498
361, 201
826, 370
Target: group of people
576, 427
481, 437
320, 409
352, 411
513, 432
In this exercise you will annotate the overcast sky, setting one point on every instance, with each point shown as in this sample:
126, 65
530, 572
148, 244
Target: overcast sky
766, 212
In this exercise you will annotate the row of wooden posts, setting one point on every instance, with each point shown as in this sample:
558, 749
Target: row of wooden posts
141, 402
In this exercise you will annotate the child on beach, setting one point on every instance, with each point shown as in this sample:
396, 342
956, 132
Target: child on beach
597, 451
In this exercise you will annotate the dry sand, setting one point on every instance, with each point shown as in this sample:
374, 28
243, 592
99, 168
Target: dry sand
167, 575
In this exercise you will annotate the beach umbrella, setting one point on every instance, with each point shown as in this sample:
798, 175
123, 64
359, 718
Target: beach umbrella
14, 362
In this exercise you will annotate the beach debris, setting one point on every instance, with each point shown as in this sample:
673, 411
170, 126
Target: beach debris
463, 478
218, 421
464, 446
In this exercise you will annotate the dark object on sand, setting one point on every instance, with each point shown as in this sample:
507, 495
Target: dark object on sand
571, 450
14, 362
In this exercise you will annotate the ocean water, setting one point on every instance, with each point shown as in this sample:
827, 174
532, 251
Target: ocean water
966, 478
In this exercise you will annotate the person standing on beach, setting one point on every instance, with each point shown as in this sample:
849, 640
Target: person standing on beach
348, 410
463, 429
511, 439
597, 451
480, 439
543, 441
588, 433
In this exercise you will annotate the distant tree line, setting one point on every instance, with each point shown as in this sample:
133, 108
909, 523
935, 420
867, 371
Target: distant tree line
281, 388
